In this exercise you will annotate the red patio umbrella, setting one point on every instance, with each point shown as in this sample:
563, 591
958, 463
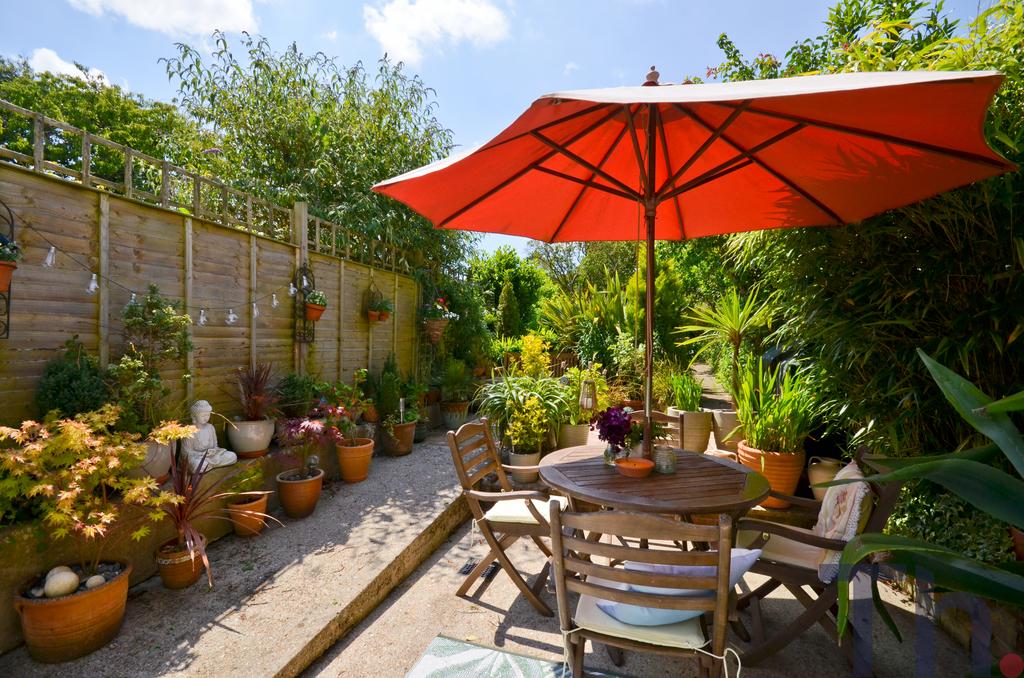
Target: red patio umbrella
689, 161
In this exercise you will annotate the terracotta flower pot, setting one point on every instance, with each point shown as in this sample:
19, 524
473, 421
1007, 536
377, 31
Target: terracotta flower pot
399, 442
782, 470
299, 497
354, 459
246, 524
1018, 542
454, 414
370, 413
314, 311
250, 439
434, 329
384, 315
373, 316
573, 435
178, 568
433, 396
6, 271
65, 628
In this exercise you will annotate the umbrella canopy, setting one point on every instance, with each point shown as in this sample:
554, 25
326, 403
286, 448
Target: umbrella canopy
673, 162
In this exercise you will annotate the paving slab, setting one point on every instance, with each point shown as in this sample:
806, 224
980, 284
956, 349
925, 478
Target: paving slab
282, 597
388, 642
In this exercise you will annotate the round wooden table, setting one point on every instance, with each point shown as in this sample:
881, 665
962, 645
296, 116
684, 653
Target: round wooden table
702, 483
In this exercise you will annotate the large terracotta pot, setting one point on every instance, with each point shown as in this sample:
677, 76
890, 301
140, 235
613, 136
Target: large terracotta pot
299, 497
515, 459
178, 568
65, 628
782, 469
573, 435
725, 422
6, 271
246, 524
399, 442
1017, 535
697, 430
314, 311
157, 463
354, 459
250, 439
454, 414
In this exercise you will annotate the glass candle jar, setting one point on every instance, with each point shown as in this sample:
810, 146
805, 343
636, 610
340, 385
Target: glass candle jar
664, 459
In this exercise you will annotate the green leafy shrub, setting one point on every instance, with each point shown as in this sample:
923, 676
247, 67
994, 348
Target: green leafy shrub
777, 413
456, 381
72, 383
156, 331
389, 395
535, 360
528, 427
140, 394
298, 394
628, 359
501, 399
509, 322
576, 376
683, 391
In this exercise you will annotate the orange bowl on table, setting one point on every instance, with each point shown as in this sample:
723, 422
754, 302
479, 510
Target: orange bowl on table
634, 468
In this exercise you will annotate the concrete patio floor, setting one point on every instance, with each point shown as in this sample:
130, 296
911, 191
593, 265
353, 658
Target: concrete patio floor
388, 642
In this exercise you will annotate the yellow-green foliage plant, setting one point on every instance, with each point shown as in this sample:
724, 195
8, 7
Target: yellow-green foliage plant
535, 358
76, 471
529, 426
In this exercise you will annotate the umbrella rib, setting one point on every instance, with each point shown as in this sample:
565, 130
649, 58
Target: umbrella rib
579, 196
668, 168
586, 183
880, 136
582, 162
487, 194
736, 162
804, 193
636, 145
549, 124
670, 182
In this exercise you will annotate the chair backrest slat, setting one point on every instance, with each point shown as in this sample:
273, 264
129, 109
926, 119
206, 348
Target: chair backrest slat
624, 576
652, 527
672, 556
664, 602
475, 455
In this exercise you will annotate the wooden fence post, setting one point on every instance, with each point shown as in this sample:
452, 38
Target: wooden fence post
394, 319
369, 331
104, 291
341, 313
300, 238
252, 300
190, 357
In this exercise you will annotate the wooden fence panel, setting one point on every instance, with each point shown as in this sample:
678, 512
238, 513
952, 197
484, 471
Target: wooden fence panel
146, 243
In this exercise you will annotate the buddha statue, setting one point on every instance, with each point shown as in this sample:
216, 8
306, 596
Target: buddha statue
204, 442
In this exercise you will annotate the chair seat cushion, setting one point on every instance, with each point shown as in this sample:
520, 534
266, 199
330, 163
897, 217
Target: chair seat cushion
783, 550
515, 511
685, 634
740, 560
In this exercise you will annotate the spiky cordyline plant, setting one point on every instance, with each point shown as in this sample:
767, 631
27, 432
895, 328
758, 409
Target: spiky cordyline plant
257, 398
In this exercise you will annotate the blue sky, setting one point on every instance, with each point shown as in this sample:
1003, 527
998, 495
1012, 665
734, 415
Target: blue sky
487, 59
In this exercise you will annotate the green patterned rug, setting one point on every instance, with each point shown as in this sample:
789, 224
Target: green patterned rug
450, 658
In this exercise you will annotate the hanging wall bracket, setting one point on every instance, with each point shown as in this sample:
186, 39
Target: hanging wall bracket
305, 329
6, 236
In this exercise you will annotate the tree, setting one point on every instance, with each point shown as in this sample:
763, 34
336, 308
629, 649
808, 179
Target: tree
509, 322
490, 273
559, 260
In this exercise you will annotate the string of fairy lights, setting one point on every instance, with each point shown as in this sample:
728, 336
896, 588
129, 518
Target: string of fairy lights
93, 285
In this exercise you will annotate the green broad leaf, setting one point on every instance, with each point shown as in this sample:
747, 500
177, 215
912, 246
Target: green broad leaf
1013, 403
883, 611
966, 398
944, 567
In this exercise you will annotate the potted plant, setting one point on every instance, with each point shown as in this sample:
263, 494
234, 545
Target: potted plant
686, 394
75, 471
615, 428
299, 488
194, 495
436, 317
354, 454
399, 421
383, 307
456, 382
250, 436
628, 360
247, 507
316, 304
777, 414
10, 253
527, 430
297, 395
500, 399
574, 426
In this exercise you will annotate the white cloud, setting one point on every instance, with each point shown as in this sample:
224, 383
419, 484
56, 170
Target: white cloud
406, 28
570, 68
45, 59
331, 35
177, 17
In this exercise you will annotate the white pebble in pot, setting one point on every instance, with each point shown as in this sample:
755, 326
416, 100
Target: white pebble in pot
60, 584
59, 568
94, 581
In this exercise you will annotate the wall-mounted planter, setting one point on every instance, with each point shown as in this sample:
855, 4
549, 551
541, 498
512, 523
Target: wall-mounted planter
314, 311
373, 316
6, 271
384, 315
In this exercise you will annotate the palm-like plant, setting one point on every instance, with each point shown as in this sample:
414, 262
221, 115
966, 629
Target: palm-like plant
731, 320
970, 475
501, 399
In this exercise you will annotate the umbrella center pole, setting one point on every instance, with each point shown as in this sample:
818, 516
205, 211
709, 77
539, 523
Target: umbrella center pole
650, 205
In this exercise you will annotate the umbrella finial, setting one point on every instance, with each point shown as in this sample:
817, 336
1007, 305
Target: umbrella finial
652, 77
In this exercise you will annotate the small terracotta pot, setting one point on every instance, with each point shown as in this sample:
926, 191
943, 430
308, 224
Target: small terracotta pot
1018, 542
384, 315
65, 628
374, 316
370, 413
246, 524
399, 442
780, 468
354, 459
6, 271
178, 569
433, 396
299, 497
314, 311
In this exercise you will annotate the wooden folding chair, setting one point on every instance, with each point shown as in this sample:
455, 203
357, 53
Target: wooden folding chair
515, 514
790, 558
673, 427
578, 568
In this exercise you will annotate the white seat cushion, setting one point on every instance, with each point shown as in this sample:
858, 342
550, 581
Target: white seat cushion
686, 634
782, 550
515, 511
